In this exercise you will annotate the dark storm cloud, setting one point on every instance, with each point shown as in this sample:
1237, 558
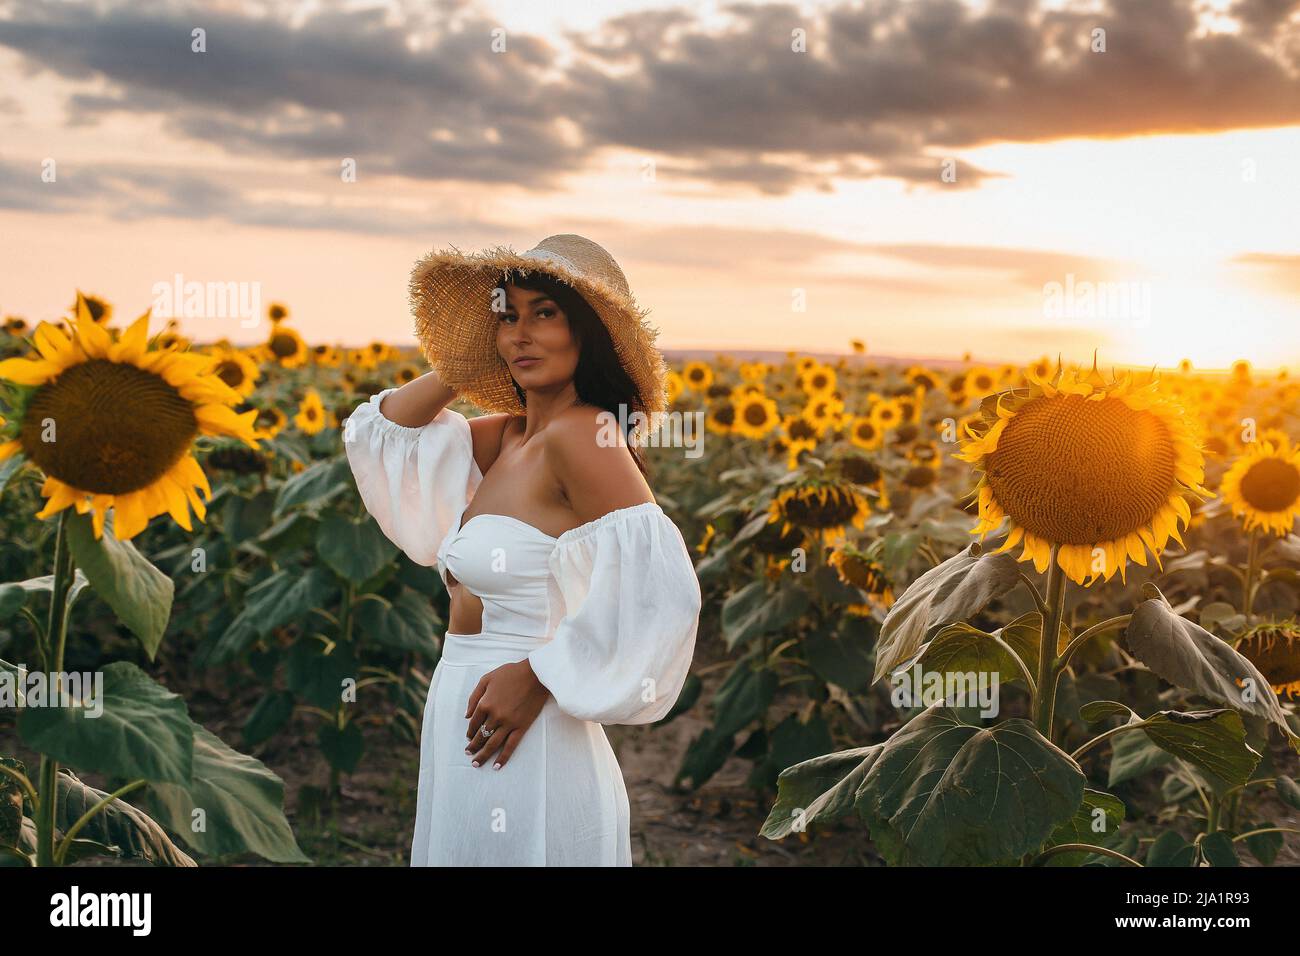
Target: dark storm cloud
888, 88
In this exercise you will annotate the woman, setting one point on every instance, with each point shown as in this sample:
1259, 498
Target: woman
574, 602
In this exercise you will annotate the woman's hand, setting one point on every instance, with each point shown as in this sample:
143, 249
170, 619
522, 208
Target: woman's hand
506, 700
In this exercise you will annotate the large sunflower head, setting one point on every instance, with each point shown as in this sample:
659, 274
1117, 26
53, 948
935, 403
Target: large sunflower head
111, 422
1100, 470
1263, 486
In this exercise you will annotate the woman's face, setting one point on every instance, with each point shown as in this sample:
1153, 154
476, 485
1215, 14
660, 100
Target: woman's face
534, 339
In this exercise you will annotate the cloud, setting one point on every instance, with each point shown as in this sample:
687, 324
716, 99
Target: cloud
1277, 273
886, 89
124, 193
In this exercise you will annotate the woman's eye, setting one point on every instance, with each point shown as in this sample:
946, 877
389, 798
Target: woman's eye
546, 313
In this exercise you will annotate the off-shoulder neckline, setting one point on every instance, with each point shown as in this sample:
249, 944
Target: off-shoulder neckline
572, 534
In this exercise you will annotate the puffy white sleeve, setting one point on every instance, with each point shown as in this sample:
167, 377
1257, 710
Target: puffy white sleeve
415, 482
631, 602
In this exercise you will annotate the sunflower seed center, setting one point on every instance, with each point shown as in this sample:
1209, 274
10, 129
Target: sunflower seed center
1074, 471
116, 428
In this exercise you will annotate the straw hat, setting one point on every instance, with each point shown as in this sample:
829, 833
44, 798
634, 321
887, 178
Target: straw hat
451, 295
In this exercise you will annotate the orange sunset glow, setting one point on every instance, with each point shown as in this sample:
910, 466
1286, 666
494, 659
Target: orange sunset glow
920, 176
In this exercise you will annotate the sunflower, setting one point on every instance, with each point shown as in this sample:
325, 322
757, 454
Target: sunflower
1083, 465
979, 381
127, 417
698, 375
1274, 648
774, 568
859, 347
920, 476
270, 422
676, 385
1039, 370
277, 311
753, 371
818, 380
15, 325
311, 413
720, 417
237, 460
800, 435
1263, 486
823, 412
379, 352
805, 363
99, 309
858, 568
172, 341
911, 407
755, 416
407, 373
922, 377
359, 358
738, 392
865, 433
887, 413
236, 369
326, 356
287, 346
820, 507
865, 472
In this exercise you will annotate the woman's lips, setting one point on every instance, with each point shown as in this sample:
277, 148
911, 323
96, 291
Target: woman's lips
526, 362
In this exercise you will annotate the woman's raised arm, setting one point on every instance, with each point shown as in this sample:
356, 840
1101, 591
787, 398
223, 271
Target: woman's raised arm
419, 401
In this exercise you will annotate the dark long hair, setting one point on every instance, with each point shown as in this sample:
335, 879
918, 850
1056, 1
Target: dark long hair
600, 378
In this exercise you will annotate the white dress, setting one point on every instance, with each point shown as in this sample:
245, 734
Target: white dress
606, 614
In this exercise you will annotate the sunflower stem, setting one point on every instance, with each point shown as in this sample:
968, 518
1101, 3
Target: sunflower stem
56, 633
1096, 630
1033, 590
1252, 572
1048, 670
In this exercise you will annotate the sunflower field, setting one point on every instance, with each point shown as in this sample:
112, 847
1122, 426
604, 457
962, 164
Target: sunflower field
953, 614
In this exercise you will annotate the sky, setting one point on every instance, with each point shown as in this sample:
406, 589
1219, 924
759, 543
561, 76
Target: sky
1006, 179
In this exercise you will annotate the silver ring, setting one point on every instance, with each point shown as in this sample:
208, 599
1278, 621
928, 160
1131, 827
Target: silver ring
485, 732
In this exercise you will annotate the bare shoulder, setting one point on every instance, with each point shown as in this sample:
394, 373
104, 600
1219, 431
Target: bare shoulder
487, 432
588, 454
